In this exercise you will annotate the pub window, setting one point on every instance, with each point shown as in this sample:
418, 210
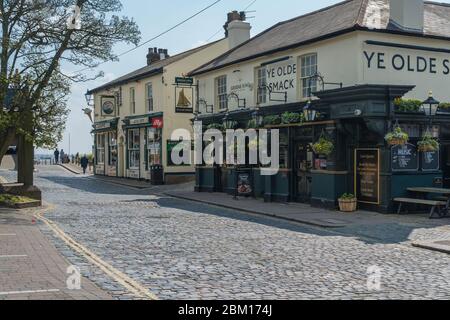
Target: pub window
308, 69
134, 153
221, 92
261, 76
100, 149
112, 159
132, 100
149, 96
154, 146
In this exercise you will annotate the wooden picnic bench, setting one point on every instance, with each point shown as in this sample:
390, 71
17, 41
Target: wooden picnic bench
436, 206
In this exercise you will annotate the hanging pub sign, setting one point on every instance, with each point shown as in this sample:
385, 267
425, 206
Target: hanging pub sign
244, 183
430, 161
367, 175
184, 98
108, 105
157, 123
404, 158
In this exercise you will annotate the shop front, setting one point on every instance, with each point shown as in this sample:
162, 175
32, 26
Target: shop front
337, 144
105, 147
143, 145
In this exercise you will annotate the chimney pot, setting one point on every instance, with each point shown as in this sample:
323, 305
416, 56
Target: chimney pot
407, 15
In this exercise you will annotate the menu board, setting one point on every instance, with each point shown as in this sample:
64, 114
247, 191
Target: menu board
367, 175
430, 161
244, 183
405, 158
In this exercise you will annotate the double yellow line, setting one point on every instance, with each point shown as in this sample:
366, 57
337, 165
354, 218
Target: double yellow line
131, 285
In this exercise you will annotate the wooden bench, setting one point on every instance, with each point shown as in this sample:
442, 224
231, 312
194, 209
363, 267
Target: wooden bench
432, 203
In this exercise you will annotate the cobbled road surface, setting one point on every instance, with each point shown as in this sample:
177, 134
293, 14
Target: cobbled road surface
184, 250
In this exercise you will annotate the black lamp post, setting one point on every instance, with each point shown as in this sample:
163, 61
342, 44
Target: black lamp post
431, 105
309, 113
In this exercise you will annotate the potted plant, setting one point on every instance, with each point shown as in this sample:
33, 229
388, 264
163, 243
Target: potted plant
291, 117
272, 120
397, 137
428, 143
348, 203
408, 105
444, 107
323, 147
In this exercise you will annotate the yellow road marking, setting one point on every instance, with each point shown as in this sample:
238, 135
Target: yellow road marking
131, 285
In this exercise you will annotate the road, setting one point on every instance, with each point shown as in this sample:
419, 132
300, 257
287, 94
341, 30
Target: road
183, 250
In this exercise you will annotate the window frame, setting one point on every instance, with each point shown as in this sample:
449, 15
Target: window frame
220, 84
261, 89
132, 148
100, 148
112, 146
133, 100
306, 72
149, 99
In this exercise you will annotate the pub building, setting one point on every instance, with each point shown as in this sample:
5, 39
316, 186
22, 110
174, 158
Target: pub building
336, 82
136, 114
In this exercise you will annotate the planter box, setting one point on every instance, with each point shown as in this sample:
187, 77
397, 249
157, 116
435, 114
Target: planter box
348, 205
23, 205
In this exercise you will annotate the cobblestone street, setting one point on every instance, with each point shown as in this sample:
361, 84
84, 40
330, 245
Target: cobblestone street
183, 250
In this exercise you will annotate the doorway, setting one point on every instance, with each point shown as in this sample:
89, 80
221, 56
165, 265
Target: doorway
303, 164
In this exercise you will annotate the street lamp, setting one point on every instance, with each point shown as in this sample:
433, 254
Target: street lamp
431, 105
308, 112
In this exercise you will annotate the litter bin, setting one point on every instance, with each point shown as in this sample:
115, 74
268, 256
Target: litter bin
157, 175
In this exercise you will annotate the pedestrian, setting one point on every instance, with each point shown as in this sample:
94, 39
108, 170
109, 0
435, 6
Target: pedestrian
56, 153
62, 155
77, 159
84, 163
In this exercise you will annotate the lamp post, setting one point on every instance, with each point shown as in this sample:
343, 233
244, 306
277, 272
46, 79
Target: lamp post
431, 106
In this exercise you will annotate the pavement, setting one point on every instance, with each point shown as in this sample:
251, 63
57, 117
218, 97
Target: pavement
32, 268
181, 249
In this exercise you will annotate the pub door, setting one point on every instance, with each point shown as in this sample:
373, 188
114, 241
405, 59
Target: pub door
446, 165
303, 163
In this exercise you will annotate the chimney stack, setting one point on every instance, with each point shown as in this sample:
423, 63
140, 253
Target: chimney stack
237, 30
155, 54
407, 15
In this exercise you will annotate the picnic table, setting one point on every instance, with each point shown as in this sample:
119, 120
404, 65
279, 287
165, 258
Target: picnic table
442, 194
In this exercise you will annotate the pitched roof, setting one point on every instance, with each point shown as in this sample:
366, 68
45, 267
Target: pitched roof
153, 69
328, 22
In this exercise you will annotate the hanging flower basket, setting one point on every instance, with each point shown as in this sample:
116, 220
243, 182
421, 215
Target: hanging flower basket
348, 203
323, 147
397, 137
428, 143
291, 118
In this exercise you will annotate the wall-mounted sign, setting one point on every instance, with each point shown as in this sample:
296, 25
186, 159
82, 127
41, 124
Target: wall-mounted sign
184, 98
405, 158
244, 183
138, 121
184, 81
282, 77
108, 105
367, 175
430, 161
102, 125
157, 123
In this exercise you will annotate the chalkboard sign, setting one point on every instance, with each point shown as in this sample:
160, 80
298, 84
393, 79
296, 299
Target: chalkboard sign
430, 161
405, 158
367, 175
244, 183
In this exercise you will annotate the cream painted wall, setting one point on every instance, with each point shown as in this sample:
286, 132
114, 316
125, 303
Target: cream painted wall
342, 60
164, 101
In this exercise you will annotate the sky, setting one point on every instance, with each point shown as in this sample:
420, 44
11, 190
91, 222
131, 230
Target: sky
154, 17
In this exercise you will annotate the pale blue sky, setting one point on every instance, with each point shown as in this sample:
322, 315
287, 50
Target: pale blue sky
153, 17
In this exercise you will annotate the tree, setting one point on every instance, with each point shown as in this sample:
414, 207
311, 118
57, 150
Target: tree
38, 38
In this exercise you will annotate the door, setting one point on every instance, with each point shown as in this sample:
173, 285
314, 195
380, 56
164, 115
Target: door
303, 166
446, 165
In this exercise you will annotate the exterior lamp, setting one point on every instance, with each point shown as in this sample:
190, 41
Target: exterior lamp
431, 105
309, 113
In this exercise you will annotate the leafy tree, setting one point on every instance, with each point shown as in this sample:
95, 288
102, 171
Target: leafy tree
38, 38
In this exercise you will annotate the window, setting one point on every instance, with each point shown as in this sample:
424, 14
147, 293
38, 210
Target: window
149, 96
112, 159
119, 98
308, 69
100, 156
221, 92
154, 144
132, 100
134, 150
261, 76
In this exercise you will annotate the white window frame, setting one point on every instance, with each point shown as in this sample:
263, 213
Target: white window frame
100, 145
221, 92
133, 100
261, 80
112, 139
308, 68
133, 148
149, 97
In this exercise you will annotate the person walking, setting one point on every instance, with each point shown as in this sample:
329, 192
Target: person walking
84, 163
62, 155
56, 153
